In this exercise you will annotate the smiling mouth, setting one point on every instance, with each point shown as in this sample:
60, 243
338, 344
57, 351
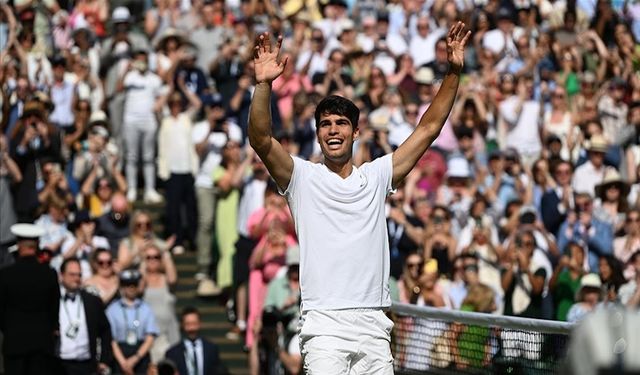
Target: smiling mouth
334, 144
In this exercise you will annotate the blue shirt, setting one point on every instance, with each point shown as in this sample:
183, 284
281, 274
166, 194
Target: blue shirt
122, 317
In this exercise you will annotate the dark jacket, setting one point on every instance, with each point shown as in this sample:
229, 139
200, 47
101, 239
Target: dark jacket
98, 327
551, 216
211, 359
29, 306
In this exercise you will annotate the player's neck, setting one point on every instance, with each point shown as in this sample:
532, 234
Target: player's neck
341, 168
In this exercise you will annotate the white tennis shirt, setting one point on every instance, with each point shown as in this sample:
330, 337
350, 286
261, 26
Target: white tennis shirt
342, 231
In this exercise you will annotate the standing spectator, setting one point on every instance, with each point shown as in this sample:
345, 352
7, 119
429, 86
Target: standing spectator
209, 137
612, 109
526, 277
177, 164
630, 292
29, 306
63, 97
228, 179
85, 334
83, 243
556, 203
141, 235
194, 354
565, 281
518, 125
133, 327
582, 226
32, 141
254, 193
114, 224
99, 157
209, 36
9, 175
142, 89
611, 203
158, 275
105, 282
54, 223
592, 172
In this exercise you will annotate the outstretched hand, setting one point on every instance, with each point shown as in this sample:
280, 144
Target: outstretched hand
456, 41
265, 59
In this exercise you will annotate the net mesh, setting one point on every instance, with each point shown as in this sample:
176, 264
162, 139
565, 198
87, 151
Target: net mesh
435, 345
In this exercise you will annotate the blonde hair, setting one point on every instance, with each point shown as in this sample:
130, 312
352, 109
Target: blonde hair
480, 297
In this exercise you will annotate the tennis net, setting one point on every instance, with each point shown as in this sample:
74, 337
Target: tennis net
439, 341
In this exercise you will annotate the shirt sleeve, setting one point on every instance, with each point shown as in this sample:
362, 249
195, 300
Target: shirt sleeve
151, 328
381, 169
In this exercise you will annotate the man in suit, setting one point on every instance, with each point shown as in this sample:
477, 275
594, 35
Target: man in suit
557, 202
82, 323
194, 355
29, 303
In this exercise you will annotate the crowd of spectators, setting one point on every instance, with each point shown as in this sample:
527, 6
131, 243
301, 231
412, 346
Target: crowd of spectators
532, 188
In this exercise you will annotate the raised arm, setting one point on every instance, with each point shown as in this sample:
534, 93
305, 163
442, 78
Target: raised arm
267, 68
431, 123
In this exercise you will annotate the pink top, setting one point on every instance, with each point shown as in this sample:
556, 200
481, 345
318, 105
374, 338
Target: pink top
287, 88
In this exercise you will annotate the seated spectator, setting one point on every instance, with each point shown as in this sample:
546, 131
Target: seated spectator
589, 295
565, 281
141, 235
610, 271
104, 281
54, 223
158, 275
194, 354
626, 246
83, 242
133, 327
431, 293
630, 292
472, 349
408, 282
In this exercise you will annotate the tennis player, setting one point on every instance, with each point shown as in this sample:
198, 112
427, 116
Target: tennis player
339, 215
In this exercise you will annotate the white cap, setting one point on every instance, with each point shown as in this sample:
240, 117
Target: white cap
425, 76
27, 231
458, 167
121, 14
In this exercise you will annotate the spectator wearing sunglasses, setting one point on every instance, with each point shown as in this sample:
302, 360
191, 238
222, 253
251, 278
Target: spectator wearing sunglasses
105, 282
130, 252
158, 275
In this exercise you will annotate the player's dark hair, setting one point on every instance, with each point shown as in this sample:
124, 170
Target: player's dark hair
337, 105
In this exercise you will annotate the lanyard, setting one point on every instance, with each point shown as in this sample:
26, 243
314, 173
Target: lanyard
136, 321
66, 311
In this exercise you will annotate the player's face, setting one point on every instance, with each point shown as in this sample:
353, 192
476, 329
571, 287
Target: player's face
336, 136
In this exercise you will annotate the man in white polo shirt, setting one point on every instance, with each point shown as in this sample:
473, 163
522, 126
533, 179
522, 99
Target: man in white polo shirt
338, 210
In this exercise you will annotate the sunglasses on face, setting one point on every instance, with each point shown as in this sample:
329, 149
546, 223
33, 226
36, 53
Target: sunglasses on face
105, 263
143, 224
153, 257
414, 265
633, 220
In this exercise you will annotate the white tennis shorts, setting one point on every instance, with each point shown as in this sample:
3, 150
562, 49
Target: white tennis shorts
350, 342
